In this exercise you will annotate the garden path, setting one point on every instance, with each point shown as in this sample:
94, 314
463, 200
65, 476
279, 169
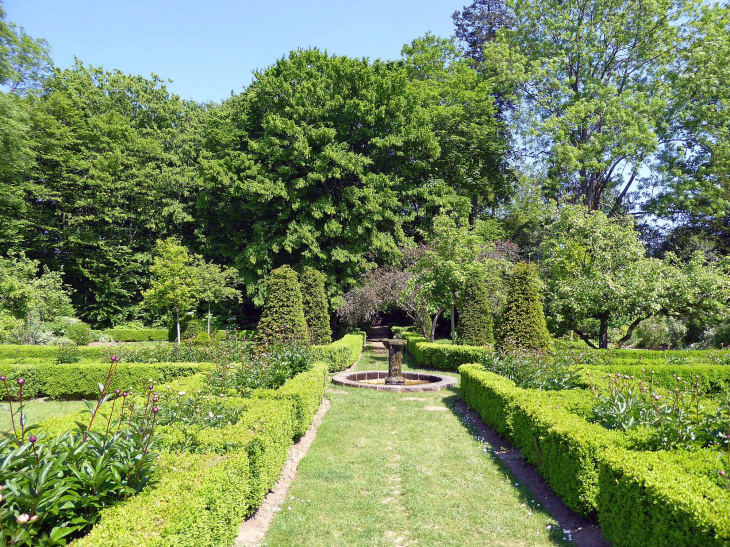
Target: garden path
392, 469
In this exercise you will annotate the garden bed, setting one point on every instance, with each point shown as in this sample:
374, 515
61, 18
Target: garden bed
606, 473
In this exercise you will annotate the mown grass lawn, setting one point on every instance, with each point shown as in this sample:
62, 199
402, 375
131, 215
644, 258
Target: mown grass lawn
403, 469
37, 410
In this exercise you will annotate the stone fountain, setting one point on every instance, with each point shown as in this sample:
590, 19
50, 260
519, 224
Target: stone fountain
395, 348
395, 379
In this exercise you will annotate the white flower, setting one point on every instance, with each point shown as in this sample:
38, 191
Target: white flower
181, 393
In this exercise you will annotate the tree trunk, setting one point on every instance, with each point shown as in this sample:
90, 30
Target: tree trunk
603, 332
453, 324
208, 318
433, 324
177, 324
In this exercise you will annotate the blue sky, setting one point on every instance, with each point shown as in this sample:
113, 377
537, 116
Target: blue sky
210, 48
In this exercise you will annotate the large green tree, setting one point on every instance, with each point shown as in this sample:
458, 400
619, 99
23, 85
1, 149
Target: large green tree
113, 172
597, 98
456, 253
598, 277
24, 64
309, 166
472, 166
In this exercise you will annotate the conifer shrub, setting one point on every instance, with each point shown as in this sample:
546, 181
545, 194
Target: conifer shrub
523, 321
476, 324
283, 316
316, 311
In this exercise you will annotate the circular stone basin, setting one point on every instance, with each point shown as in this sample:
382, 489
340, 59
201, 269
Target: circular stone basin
375, 379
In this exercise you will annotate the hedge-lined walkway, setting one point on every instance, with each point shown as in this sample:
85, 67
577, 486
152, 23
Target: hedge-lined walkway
391, 469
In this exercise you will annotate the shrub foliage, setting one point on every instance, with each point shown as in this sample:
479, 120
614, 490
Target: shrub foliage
314, 301
523, 321
476, 321
283, 315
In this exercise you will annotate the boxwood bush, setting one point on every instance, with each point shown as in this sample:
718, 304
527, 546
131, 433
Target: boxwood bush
640, 498
342, 353
441, 356
202, 498
81, 380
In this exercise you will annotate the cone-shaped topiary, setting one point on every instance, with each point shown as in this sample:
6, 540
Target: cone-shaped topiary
523, 321
283, 316
476, 325
315, 306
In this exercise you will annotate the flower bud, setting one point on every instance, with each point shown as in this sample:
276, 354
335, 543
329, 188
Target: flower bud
115, 359
21, 381
150, 387
155, 410
34, 518
117, 391
155, 399
32, 439
22, 519
124, 394
3, 378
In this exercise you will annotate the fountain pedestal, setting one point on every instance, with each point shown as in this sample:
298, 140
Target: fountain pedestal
395, 361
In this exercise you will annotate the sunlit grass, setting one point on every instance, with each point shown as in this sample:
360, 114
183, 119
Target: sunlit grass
404, 469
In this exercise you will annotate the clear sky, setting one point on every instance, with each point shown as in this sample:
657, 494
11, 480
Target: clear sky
210, 48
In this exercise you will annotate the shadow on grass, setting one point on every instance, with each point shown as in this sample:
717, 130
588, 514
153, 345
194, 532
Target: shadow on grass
535, 493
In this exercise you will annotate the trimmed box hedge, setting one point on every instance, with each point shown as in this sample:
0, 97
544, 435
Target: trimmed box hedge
663, 498
305, 391
81, 380
563, 447
441, 356
712, 378
342, 353
202, 498
20, 352
199, 501
641, 498
137, 335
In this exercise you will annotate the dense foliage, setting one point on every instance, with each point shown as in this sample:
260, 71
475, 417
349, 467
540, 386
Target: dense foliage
314, 301
540, 125
283, 316
523, 322
476, 322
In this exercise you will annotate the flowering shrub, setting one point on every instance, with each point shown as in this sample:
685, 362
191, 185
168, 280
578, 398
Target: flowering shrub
676, 418
52, 489
201, 409
265, 364
535, 369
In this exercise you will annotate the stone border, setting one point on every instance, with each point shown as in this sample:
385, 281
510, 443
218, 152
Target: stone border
437, 382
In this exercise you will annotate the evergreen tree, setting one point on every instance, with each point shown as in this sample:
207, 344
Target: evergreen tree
523, 322
283, 315
316, 312
476, 323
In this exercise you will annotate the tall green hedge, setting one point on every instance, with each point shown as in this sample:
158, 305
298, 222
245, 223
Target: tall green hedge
314, 301
476, 324
283, 315
523, 320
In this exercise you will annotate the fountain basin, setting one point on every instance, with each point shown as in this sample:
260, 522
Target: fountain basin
375, 379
